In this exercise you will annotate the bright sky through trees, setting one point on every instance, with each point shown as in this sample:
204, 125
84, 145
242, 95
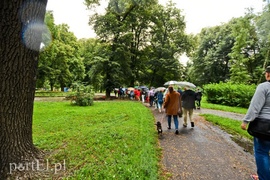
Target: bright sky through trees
198, 13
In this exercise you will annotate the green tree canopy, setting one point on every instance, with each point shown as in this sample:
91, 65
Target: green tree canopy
60, 63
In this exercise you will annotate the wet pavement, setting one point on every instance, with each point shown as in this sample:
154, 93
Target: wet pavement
203, 152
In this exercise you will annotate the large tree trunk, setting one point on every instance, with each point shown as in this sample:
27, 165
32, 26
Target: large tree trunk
20, 27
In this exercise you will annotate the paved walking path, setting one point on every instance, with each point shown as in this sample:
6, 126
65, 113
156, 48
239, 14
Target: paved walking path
230, 115
203, 152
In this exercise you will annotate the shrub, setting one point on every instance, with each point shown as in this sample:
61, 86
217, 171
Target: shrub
229, 94
83, 95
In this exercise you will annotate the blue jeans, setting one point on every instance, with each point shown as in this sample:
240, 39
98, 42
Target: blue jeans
261, 153
159, 103
175, 118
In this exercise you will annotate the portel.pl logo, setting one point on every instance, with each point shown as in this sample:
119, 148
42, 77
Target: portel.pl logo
37, 166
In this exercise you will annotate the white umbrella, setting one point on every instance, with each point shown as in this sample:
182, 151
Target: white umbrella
171, 83
160, 89
186, 84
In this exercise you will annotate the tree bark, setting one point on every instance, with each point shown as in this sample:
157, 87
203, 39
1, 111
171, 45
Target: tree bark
20, 31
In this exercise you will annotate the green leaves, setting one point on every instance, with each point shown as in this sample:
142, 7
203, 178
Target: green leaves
237, 95
60, 63
231, 52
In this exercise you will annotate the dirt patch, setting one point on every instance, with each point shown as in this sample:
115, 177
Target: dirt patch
50, 99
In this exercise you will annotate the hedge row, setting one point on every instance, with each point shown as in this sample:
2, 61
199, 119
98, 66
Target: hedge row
229, 94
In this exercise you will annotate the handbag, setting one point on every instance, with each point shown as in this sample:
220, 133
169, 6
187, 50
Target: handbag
260, 128
179, 113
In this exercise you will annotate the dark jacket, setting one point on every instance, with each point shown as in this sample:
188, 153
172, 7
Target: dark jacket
160, 98
198, 95
188, 99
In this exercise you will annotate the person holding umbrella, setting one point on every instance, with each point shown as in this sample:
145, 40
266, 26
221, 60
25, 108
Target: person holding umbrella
173, 105
188, 98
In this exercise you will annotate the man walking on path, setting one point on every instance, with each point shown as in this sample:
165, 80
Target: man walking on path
188, 100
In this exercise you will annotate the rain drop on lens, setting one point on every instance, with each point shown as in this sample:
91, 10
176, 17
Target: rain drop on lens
31, 35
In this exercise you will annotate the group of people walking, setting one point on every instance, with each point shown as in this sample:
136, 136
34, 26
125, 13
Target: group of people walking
133, 94
177, 103
258, 112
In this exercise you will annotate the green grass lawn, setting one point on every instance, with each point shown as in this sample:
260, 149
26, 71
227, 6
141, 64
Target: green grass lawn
110, 140
205, 104
229, 125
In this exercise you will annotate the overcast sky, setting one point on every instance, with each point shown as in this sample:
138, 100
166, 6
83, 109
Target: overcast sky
198, 13
205, 13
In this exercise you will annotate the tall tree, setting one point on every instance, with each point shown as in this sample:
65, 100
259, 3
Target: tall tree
210, 61
263, 31
95, 61
168, 41
146, 41
121, 27
245, 58
21, 24
60, 63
